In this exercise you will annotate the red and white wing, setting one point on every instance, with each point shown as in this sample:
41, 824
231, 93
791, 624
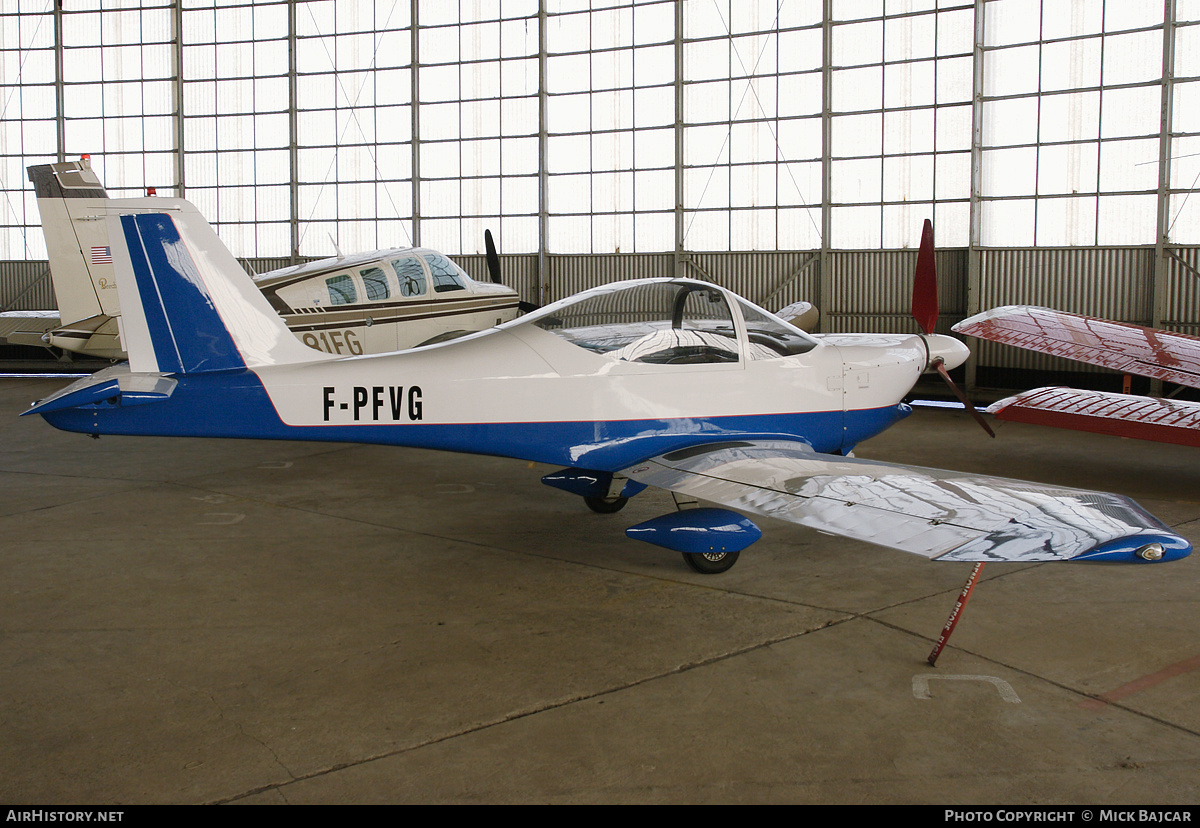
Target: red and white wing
1122, 415
1132, 349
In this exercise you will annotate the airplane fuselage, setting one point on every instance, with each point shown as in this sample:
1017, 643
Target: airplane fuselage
553, 402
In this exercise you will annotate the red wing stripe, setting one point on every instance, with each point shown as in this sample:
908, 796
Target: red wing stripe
1121, 415
1132, 349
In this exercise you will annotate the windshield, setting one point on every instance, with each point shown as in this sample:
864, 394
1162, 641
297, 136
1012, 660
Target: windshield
771, 337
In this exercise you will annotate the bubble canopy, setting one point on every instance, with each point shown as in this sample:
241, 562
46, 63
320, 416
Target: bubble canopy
671, 322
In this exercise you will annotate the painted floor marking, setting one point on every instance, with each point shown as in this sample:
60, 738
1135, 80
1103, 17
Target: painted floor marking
921, 685
1144, 683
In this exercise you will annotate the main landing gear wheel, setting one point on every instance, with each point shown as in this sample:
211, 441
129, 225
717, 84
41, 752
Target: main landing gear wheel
605, 505
710, 563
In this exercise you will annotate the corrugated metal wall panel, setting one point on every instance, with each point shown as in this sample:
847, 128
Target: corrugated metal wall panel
25, 286
265, 265
1112, 282
519, 272
771, 280
1183, 291
872, 290
1109, 282
571, 274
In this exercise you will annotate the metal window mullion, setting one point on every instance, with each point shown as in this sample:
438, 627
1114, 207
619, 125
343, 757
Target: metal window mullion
415, 114
177, 85
1100, 142
679, 136
1158, 305
824, 276
591, 167
883, 113
1037, 130
293, 136
59, 94
543, 154
974, 255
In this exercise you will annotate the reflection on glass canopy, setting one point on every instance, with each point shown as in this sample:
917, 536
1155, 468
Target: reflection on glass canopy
671, 323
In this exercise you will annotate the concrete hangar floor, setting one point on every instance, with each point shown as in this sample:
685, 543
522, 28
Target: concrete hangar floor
209, 621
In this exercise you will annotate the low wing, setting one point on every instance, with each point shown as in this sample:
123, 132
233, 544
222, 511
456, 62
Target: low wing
1122, 415
955, 516
1132, 349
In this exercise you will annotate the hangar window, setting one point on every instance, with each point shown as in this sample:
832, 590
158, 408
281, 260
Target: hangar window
411, 274
341, 290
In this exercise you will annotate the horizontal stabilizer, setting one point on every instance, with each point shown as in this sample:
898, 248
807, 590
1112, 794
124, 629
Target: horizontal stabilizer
109, 388
1101, 412
939, 514
1131, 349
27, 327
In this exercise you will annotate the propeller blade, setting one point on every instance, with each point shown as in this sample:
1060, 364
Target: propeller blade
962, 398
493, 259
925, 298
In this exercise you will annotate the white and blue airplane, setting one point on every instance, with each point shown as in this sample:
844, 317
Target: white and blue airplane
673, 383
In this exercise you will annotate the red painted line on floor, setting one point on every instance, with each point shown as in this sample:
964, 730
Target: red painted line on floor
1144, 683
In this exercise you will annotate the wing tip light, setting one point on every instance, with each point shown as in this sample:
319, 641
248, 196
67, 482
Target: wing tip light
1141, 548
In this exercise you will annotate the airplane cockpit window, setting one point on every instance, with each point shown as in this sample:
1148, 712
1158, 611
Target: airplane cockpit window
411, 274
446, 276
376, 283
661, 324
771, 337
341, 290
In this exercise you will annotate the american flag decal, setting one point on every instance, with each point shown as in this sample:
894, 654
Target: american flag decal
102, 255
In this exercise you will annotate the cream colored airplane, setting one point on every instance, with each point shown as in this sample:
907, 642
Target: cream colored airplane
375, 302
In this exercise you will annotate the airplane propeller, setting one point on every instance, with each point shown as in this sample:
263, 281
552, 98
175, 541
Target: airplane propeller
493, 266
925, 311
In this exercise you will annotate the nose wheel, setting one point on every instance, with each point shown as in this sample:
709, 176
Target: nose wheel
710, 563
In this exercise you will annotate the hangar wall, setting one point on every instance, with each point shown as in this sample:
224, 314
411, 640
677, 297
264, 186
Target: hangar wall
788, 150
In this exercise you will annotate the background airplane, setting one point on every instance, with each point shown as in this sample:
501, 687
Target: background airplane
383, 300
672, 383
1132, 349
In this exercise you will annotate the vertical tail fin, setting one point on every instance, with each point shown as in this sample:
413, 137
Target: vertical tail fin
71, 202
188, 306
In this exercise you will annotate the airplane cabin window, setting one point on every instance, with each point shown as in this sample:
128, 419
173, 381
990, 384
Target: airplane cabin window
375, 282
446, 276
411, 274
660, 324
341, 290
